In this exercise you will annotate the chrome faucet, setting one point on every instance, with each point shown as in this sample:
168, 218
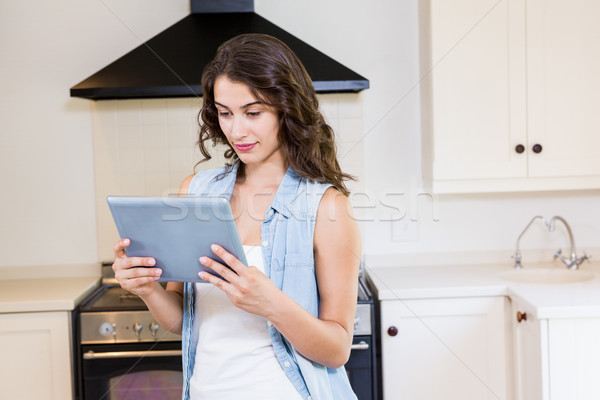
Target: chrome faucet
517, 255
574, 261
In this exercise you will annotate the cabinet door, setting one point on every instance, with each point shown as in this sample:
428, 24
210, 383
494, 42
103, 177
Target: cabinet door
36, 362
477, 98
574, 353
563, 84
531, 354
451, 349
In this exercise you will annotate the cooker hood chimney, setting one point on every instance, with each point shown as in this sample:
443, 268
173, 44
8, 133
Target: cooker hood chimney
171, 63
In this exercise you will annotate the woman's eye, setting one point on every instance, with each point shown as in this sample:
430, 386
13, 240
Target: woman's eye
224, 114
254, 114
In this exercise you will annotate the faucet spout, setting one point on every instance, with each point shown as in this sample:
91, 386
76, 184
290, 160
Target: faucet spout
574, 261
571, 240
517, 255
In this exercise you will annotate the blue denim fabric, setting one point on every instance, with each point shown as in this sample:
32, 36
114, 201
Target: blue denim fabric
287, 245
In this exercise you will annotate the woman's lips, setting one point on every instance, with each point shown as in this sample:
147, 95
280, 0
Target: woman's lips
245, 146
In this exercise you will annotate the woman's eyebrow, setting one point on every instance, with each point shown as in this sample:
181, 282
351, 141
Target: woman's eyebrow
251, 104
242, 107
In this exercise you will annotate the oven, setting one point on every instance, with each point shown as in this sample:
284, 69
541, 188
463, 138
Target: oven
128, 372
362, 365
121, 353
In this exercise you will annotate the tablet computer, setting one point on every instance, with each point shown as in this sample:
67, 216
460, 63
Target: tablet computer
176, 232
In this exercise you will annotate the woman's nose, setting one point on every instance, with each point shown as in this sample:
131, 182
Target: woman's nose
238, 128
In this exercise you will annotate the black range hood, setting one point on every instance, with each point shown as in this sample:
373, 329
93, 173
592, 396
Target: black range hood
171, 63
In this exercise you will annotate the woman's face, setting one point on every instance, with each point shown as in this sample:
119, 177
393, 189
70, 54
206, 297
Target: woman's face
250, 126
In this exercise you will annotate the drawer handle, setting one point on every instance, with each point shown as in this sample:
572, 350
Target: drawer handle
392, 331
521, 316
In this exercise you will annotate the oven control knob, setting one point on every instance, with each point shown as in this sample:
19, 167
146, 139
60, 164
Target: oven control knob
137, 328
154, 328
107, 329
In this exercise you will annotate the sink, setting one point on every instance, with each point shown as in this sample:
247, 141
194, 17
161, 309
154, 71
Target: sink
546, 275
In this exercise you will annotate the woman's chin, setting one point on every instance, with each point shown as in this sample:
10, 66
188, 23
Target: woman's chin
247, 159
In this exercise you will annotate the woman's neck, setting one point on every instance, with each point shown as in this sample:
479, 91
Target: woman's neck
263, 175
267, 174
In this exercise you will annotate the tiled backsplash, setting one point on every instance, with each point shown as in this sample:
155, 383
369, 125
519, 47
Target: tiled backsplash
147, 147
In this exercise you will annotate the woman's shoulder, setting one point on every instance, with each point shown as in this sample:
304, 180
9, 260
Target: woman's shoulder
306, 184
335, 219
333, 202
199, 180
184, 188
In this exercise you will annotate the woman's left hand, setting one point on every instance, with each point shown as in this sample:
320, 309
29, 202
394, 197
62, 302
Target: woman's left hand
246, 286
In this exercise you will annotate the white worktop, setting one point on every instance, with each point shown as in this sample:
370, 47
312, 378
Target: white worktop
48, 288
564, 300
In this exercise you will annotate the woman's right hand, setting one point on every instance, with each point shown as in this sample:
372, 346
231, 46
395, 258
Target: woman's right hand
133, 273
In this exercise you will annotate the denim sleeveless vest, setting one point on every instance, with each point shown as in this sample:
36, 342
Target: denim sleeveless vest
287, 246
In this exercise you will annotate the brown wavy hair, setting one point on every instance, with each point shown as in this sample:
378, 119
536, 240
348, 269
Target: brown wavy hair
275, 75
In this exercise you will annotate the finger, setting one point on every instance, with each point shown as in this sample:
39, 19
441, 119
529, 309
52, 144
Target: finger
119, 248
131, 262
226, 273
229, 258
122, 264
134, 277
134, 283
140, 272
216, 281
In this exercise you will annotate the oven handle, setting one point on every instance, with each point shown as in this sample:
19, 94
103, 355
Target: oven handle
360, 346
91, 355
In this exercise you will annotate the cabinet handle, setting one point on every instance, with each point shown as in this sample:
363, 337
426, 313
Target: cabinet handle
537, 148
392, 331
521, 316
520, 148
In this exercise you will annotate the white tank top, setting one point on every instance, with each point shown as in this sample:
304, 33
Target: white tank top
235, 358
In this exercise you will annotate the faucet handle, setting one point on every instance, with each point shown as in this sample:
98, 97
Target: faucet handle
517, 258
564, 259
582, 259
557, 254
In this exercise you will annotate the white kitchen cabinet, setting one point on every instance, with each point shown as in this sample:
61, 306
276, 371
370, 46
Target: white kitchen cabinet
530, 338
498, 75
36, 361
556, 358
450, 348
563, 60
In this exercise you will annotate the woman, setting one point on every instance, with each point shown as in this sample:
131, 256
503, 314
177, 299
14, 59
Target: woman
281, 327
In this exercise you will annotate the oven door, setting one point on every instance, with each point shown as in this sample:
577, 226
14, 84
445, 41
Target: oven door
131, 371
360, 368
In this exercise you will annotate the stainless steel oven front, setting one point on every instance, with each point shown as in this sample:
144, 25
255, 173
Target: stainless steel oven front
122, 353
135, 371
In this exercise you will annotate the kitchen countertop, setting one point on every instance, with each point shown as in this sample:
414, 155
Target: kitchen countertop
563, 300
40, 294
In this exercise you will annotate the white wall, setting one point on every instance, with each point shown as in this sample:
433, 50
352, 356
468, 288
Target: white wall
47, 209
46, 138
